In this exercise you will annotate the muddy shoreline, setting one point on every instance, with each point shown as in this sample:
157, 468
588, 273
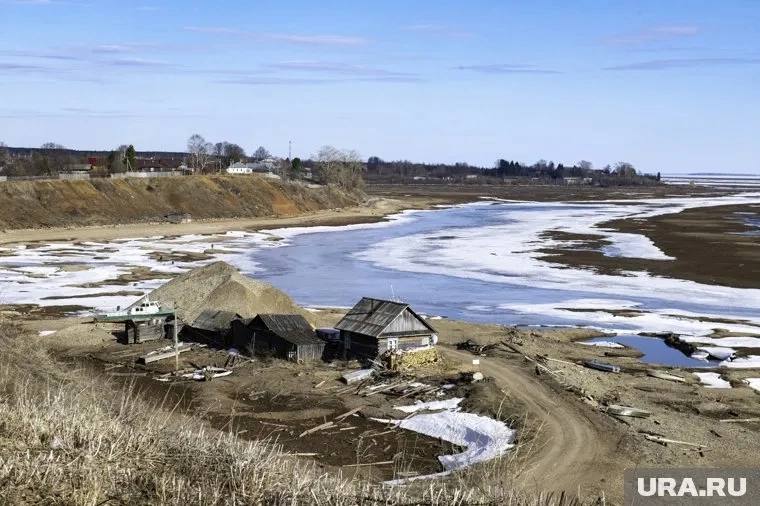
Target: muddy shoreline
710, 245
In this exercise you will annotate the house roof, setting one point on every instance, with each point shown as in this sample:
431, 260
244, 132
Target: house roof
214, 320
371, 317
291, 327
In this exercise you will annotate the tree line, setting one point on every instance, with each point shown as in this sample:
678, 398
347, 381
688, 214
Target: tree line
400, 171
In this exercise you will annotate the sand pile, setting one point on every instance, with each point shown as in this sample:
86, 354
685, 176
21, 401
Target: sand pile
219, 287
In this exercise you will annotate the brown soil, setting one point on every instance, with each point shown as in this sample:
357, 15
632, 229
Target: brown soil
371, 210
692, 237
565, 440
540, 193
39, 204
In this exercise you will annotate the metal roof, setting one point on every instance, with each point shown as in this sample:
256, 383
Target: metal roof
371, 316
291, 327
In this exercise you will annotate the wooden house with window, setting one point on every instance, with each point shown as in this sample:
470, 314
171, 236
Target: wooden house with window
287, 336
374, 326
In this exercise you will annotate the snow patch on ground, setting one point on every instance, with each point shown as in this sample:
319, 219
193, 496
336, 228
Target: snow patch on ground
754, 383
712, 380
482, 437
719, 352
749, 362
603, 344
449, 404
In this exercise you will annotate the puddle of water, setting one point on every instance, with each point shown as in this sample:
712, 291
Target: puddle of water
657, 352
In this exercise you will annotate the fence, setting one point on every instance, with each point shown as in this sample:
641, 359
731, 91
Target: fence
66, 176
141, 174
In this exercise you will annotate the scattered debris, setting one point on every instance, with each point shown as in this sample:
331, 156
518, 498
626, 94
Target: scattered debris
323, 426
665, 376
165, 352
356, 376
601, 366
348, 413
617, 410
384, 463
666, 441
207, 373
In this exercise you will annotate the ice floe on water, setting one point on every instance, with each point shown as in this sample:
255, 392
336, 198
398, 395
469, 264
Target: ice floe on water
97, 274
712, 380
486, 261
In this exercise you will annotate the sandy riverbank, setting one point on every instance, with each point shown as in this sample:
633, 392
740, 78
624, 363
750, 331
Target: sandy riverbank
384, 200
375, 209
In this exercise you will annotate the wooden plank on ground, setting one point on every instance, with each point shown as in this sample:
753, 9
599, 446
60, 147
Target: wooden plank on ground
323, 426
348, 413
155, 357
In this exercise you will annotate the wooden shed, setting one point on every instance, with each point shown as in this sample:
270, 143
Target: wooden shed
284, 335
374, 326
142, 330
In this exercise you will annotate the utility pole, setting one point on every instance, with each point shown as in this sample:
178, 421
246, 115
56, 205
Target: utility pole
176, 339
290, 149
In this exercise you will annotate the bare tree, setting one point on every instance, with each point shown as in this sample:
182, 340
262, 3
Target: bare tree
233, 152
340, 167
625, 169
199, 150
261, 153
585, 165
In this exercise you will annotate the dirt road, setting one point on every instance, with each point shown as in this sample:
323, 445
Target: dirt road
576, 450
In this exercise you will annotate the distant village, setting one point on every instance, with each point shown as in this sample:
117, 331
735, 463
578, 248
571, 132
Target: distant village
54, 161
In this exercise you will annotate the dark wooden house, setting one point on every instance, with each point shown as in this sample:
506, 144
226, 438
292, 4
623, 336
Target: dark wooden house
374, 326
284, 335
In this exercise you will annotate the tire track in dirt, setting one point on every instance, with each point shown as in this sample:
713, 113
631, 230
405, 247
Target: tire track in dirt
576, 449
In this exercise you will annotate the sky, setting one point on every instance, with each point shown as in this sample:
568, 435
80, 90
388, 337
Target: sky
670, 86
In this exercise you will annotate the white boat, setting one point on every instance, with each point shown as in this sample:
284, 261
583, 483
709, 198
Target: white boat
145, 308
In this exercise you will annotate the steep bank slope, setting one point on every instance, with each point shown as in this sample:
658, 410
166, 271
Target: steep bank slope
34, 204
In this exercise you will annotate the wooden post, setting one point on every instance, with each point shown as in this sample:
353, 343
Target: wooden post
176, 340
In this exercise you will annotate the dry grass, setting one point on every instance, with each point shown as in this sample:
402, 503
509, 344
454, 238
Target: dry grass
66, 438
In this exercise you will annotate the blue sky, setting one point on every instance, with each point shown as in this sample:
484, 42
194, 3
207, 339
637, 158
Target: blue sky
666, 85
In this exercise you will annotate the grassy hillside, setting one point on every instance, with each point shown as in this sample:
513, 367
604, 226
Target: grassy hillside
33, 204
69, 437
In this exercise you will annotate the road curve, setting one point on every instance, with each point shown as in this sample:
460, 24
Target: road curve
574, 453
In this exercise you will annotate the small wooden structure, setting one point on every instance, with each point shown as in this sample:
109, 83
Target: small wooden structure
284, 335
143, 330
374, 326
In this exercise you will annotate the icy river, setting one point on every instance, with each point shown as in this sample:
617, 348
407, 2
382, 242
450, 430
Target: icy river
478, 262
